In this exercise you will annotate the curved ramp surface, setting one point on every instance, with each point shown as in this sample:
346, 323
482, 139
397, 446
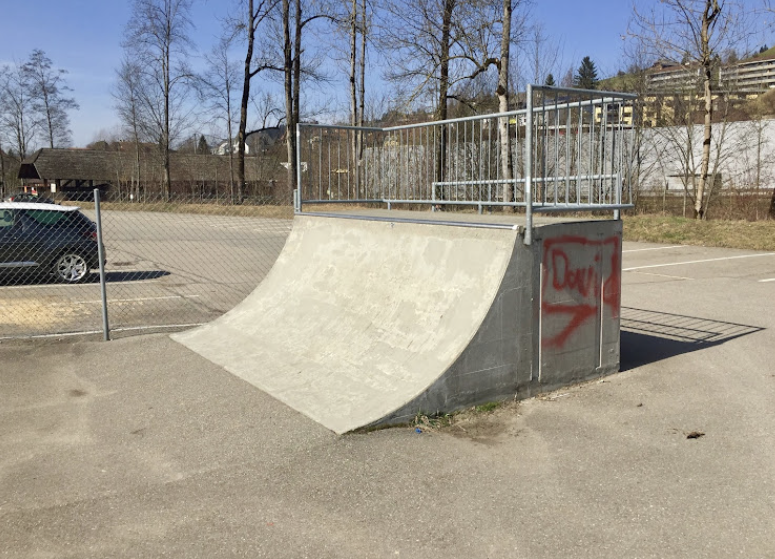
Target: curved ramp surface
362, 322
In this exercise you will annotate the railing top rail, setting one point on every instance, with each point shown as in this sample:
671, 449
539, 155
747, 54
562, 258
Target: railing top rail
600, 97
340, 127
595, 92
418, 124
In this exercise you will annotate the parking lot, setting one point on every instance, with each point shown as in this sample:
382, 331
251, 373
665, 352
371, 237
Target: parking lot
163, 270
140, 448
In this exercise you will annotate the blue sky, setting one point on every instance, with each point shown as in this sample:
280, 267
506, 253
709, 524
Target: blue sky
84, 38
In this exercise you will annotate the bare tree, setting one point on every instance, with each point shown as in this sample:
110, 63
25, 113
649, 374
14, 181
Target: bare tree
770, 6
50, 101
436, 46
356, 25
217, 89
7, 163
267, 110
696, 32
17, 125
129, 97
2, 172
157, 36
542, 52
255, 14
296, 17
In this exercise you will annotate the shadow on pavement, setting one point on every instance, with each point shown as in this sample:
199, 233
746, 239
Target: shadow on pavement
94, 277
120, 276
650, 336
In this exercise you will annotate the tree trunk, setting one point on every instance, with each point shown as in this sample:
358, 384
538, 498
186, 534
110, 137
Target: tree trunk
2, 173
441, 109
354, 91
165, 146
362, 98
772, 205
137, 159
296, 94
711, 12
229, 132
289, 70
243, 119
502, 91
699, 201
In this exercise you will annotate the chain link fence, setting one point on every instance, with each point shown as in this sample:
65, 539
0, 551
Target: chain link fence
169, 265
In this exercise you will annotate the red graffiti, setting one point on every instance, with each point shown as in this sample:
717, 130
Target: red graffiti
576, 283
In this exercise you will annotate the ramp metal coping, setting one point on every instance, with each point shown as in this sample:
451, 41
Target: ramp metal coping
468, 224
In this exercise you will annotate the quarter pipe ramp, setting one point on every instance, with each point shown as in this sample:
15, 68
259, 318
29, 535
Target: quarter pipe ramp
366, 322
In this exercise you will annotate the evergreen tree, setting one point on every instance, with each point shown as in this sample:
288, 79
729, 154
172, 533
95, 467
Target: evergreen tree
549, 80
202, 147
586, 76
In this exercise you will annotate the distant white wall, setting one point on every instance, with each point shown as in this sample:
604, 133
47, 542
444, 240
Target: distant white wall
746, 148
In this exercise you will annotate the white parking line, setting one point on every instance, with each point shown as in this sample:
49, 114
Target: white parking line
654, 248
67, 286
137, 299
766, 280
698, 261
666, 276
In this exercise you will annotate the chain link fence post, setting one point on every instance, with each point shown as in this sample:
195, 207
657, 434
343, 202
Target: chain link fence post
103, 282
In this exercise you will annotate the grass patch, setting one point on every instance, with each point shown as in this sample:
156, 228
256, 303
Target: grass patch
433, 421
749, 235
442, 420
487, 408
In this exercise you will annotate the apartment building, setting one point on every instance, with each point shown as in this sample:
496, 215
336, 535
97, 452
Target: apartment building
667, 75
753, 75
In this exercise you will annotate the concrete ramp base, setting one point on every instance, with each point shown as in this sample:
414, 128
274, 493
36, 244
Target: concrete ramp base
367, 322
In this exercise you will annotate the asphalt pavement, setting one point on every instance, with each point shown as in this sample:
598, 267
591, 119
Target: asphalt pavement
140, 448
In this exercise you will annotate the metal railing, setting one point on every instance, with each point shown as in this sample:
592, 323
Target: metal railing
568, 151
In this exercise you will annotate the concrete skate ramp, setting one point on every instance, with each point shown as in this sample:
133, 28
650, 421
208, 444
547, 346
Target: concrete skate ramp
360, 322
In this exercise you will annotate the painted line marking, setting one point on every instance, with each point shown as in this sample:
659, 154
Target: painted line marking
138, 299
124, 329
698, 261
768, 280
655, 248
665, 276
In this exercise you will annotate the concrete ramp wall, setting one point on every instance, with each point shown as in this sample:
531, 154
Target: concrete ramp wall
367, 322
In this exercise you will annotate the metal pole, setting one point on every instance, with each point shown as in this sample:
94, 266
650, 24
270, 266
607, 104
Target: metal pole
298, 168
529, 167
101, 253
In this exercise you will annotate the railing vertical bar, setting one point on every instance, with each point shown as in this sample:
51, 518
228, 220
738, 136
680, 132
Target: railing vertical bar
568, 140
320, 164
556, 130
529, 168
591, 153
338, 167
579, 137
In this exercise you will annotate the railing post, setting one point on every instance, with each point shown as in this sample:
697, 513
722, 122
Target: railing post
297, 193
529, 166
101, 256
